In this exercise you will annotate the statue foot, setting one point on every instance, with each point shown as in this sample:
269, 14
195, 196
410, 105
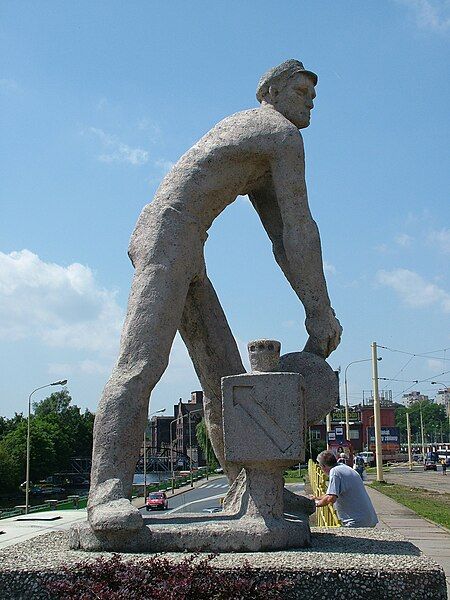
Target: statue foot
117, 515
108, 510
296, 504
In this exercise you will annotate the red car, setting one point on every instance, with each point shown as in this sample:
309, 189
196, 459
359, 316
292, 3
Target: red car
157, 501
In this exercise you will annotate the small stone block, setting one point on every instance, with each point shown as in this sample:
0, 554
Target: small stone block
263, 416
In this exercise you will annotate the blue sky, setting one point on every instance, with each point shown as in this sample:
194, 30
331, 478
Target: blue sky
99, 99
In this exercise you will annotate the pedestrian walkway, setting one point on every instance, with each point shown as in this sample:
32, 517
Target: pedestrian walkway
432, 540
21, 528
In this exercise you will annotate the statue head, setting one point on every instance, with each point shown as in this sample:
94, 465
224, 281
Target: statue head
289, 89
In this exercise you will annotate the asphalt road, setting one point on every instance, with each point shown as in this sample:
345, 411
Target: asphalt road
430, 480
206, 496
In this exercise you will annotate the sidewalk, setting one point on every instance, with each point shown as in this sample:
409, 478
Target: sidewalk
24, 527
432, 540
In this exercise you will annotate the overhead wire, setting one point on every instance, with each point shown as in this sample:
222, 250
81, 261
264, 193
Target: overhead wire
421, 355
421, 381
401, 370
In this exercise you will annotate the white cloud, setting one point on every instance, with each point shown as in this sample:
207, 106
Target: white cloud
430, 14
413, 290
403, 239
83, 367
148, 125
117, 151
441, 239
382, 248
61, 306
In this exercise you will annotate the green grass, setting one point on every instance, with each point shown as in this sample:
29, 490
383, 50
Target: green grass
371, 470
291, 476
426, 503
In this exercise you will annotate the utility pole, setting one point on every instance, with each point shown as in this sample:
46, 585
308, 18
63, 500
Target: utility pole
408, 433
377, 415
421, 433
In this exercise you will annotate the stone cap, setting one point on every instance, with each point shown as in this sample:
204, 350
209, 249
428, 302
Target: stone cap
264, 355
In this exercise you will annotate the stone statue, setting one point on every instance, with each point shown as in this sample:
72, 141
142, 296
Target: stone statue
264, 429
258, 152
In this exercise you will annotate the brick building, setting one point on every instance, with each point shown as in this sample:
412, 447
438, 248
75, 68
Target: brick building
361, 420
186, 416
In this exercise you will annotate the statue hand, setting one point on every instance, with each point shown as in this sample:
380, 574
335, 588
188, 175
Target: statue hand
324, 333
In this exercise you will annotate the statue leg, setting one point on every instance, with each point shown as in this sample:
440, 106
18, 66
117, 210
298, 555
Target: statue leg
164, 270
214, 353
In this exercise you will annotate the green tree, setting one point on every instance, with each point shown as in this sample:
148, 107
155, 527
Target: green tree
58, 432
205, 444
9, 471
56, 404
434, 420
313, 448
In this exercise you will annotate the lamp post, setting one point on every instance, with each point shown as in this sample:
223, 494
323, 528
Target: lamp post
27, 484
191, 412
347, 418
190, 446
171, 454
145, 451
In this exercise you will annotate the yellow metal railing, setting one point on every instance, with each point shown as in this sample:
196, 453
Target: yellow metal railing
326, 515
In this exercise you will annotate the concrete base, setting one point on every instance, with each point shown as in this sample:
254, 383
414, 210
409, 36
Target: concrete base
341, 563
194, 533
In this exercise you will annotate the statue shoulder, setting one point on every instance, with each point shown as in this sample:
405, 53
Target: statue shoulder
257, 122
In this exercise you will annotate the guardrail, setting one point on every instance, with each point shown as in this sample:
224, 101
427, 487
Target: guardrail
81, 501
326, 515
166, 485
66, 504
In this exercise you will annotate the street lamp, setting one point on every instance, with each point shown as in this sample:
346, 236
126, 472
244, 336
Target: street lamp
190, 442
171, 454
27, 484
190, 446
145, 451
347, 417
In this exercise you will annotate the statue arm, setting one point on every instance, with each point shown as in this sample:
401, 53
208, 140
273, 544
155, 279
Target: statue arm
284, 211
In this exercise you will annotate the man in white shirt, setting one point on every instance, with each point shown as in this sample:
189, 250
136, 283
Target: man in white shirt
347, 493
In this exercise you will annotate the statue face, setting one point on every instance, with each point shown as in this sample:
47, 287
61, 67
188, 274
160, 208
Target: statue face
294, 100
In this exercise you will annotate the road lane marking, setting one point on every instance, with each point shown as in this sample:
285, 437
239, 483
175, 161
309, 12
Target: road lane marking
194, 502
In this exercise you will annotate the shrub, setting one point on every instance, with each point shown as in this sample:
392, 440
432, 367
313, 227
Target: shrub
159, 579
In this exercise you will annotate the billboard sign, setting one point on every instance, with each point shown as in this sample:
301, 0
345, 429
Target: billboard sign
390, 438
338, 416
